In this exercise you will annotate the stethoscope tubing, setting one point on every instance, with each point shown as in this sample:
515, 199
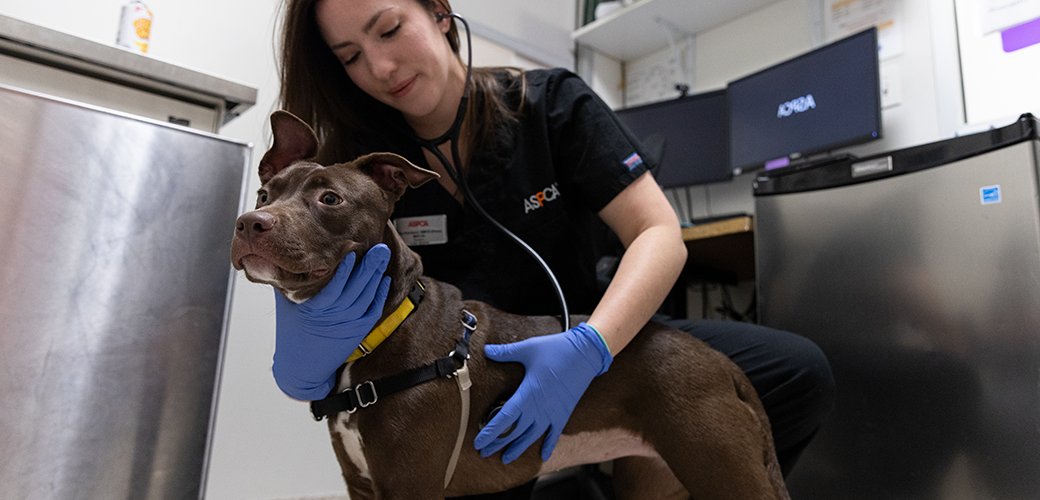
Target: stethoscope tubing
452, 136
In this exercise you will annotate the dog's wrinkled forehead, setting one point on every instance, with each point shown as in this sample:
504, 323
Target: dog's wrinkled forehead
295, 145
338, 184
293, 175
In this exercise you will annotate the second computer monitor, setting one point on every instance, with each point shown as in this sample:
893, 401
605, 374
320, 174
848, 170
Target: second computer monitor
688, 137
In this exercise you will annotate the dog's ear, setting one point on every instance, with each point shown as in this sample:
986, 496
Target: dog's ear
394, 173
294, 140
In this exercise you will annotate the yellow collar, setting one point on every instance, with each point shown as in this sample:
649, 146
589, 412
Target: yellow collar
383, 330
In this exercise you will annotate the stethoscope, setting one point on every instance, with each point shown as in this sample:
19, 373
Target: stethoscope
452, 135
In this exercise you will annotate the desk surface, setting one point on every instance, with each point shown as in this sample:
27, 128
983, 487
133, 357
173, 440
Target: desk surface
736, 225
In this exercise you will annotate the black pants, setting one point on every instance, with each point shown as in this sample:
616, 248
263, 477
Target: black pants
790, 373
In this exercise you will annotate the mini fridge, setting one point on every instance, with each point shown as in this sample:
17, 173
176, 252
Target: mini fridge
918, 273
115, 279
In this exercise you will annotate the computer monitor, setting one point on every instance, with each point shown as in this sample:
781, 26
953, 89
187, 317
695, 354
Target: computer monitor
687, 137
820, 101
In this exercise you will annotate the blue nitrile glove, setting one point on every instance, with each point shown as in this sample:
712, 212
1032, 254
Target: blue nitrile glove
558, 369
314, 338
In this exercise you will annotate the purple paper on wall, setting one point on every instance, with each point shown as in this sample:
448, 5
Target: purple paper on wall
1021, 36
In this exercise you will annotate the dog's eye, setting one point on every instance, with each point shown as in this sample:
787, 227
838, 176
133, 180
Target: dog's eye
262, 197
330, 199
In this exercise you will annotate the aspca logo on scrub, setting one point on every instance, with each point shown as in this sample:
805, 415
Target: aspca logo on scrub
796, 106
539, 199
419, 223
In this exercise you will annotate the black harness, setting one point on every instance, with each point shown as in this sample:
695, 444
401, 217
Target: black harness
367, 393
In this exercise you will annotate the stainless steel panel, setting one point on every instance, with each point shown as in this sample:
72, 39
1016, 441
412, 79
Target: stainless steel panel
114, 280
60, 83
123, 67
926, 302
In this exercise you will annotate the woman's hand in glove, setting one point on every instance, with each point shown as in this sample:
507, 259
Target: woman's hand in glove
314, 338
558, 369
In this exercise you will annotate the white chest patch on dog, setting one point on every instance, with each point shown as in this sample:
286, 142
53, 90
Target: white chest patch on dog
352, 444
349, 435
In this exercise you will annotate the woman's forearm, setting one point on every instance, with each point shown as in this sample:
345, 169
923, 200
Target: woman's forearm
643, 280
654, 257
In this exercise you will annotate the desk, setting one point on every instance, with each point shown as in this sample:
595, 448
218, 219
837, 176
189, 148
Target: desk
736, 225
721, 251
717, 252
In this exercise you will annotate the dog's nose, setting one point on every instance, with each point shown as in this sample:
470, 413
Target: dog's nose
256, 222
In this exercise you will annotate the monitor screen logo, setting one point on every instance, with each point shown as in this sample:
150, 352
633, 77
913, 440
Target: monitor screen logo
796, 106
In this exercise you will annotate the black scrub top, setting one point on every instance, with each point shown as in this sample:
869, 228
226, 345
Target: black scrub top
545, 180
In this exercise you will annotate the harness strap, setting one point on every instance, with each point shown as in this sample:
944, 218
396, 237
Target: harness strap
470, 322
368, 393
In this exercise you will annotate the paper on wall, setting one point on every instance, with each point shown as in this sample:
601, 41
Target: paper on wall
996, 15
842, 18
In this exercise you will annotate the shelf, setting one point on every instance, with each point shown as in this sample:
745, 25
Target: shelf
29, 42
635, 31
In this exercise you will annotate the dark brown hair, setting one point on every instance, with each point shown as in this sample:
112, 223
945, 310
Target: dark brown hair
349, 122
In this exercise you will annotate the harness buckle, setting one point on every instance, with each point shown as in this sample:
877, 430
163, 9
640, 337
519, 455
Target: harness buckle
469, 321
361, 399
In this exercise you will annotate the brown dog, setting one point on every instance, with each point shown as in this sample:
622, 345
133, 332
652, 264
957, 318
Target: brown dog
678, 416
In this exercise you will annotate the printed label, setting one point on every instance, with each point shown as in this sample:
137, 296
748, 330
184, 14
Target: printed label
875, 166
633, 161
539, 199
990, 194
425, 230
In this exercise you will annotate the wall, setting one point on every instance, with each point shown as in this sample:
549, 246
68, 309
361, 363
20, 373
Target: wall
998, 85
540, 29
265, 445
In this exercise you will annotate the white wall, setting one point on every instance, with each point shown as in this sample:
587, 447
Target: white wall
998, 86
538, 29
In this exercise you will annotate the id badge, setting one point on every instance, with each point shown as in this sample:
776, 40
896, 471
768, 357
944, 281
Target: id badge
425, 230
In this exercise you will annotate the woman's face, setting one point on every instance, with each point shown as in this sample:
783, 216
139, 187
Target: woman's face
394, 50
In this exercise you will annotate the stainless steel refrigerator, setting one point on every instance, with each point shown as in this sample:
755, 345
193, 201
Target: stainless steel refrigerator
918, 273
114, 287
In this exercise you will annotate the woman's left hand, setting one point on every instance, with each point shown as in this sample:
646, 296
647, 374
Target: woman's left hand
558, 370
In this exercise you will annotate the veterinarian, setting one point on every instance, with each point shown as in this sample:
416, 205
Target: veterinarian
547, 159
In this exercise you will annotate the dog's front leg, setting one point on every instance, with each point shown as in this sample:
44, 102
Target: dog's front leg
408, 440
360, 491
411, 477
